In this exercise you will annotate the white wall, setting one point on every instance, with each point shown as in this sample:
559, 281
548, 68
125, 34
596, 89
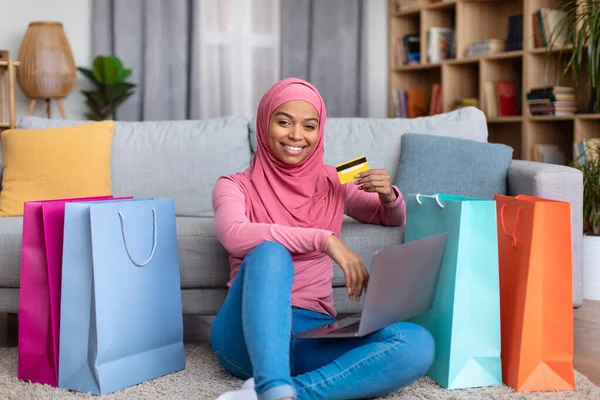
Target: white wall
75, 16
376, 63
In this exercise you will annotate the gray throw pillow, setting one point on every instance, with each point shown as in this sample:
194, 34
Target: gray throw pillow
431, 164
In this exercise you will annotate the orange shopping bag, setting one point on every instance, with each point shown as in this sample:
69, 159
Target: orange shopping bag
536, 304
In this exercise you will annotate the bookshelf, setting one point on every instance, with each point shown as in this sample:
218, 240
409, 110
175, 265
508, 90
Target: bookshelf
462, 77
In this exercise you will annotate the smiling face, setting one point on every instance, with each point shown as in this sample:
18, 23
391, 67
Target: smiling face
293, 131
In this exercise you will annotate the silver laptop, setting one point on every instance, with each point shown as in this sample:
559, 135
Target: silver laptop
402, 285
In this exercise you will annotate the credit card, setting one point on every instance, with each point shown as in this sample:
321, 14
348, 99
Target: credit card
348, 170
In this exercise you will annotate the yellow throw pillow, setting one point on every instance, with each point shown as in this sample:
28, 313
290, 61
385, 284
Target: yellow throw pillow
55, 163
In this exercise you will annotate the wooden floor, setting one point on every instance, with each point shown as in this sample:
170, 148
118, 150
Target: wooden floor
587, 336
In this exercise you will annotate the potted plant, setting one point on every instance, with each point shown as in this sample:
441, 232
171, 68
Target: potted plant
589, 165
581, 31
111, 89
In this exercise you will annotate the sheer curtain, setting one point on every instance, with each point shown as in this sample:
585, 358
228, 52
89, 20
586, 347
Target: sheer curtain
191, 59
238, 50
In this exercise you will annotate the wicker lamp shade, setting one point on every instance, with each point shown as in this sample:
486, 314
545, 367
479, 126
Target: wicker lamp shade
47, 68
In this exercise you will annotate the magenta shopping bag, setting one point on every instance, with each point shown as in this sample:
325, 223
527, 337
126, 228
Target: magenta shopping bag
40, 288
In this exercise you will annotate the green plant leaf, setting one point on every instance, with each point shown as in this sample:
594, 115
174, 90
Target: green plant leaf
107, 69
115, 91
95, 97
88, 73
125, 73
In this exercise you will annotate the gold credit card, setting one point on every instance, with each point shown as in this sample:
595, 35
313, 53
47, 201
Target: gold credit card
348, 170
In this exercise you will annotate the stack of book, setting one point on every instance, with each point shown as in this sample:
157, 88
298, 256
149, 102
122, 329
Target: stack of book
545, 21
552, 100
486, 47
407, 50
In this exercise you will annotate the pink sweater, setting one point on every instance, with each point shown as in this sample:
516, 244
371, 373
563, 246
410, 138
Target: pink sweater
311, 288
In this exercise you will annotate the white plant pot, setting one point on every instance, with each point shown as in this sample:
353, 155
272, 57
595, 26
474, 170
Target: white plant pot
591, 267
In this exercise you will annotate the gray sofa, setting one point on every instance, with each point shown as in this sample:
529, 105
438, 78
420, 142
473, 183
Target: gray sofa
183, 159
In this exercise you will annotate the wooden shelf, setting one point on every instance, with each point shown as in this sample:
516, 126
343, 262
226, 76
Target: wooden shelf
462, 77
594, 117
418, 67
506, 120
544, 50
552, 118
507, 55
444, 5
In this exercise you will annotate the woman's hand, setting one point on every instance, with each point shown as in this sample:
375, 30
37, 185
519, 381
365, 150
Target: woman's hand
378, 181
355, 272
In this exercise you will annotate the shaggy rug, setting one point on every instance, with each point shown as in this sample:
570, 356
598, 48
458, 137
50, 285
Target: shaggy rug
203, 378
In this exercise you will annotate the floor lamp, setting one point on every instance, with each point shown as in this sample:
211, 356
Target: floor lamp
47, 70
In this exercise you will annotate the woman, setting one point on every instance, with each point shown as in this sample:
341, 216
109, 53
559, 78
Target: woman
280, 220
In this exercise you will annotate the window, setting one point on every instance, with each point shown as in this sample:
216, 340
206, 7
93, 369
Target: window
238, 54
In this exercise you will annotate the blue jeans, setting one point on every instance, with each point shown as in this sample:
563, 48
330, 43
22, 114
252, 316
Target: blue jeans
251, 337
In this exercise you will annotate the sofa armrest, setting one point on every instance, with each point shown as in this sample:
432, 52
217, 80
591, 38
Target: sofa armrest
555, 182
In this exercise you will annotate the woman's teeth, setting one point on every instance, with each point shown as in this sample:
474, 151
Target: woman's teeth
292, 148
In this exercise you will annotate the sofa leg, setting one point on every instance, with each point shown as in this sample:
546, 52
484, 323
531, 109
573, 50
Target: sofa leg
9, 326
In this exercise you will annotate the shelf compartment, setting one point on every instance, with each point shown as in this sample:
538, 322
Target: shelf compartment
502, 69
460, 81
509, 134
586, 128
487, 20
435, 17
399, 28
559, 132
545, 72
413, 79
532, 7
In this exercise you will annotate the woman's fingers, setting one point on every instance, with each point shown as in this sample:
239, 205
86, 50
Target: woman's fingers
350, 281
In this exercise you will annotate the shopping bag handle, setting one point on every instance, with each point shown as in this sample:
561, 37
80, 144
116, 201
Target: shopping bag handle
437, 199
513, 235
127, 246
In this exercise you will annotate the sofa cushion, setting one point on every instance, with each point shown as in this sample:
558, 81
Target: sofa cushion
11, 229
379, 139
55, 163
433, 164
203, 261
178, 159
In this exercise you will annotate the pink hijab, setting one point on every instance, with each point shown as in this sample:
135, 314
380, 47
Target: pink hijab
307, 194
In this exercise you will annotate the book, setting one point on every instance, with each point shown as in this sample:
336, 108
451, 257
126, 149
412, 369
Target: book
417, 104
506, 92
439, 43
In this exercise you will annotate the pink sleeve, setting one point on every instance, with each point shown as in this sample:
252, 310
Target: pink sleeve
366, 207
238, 235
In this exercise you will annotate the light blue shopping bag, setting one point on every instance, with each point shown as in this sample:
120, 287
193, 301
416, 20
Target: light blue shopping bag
121, 313
465, 317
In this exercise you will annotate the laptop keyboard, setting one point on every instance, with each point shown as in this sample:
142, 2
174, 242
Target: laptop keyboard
352, 327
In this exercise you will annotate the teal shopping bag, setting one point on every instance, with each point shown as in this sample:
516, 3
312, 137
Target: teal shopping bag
465, 317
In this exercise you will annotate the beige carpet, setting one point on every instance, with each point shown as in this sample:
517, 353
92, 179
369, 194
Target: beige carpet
204, 379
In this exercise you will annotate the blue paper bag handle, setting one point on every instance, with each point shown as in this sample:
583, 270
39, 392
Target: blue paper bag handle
125, 239
513, 235
437, 199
